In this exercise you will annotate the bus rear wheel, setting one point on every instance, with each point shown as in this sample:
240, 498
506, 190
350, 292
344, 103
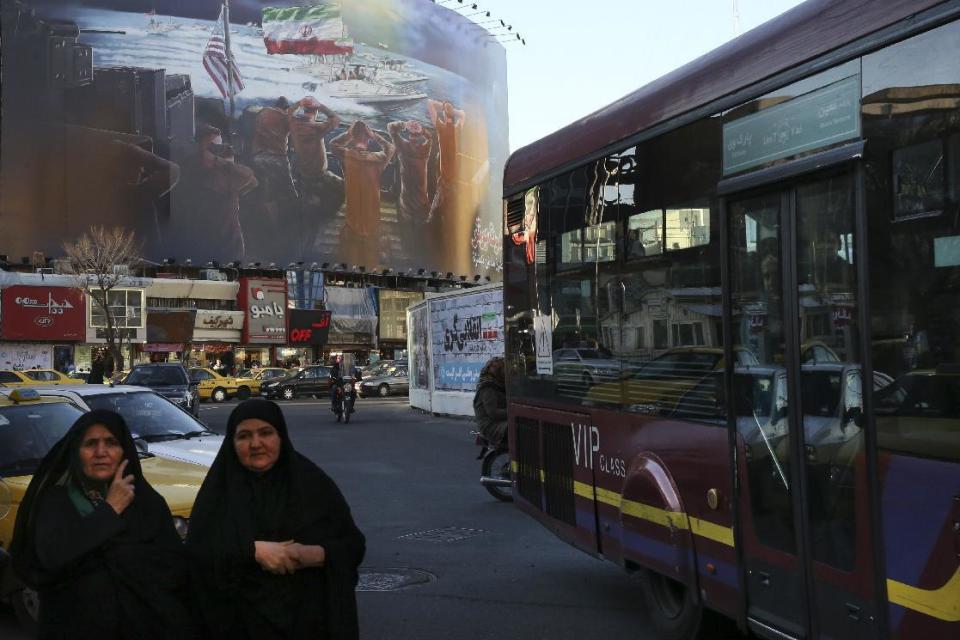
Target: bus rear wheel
673, 608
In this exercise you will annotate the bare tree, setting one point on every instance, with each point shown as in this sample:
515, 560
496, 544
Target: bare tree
100, 259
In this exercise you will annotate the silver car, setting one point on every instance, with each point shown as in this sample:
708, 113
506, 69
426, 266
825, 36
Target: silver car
157, 424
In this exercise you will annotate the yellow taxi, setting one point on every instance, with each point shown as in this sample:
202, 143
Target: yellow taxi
213, 386
30, 424
35, 377
655, 386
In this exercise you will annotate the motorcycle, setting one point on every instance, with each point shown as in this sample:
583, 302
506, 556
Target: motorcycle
346, 398
495, 468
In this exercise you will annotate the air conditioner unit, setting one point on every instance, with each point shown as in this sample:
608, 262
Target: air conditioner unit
213, 274
62, 266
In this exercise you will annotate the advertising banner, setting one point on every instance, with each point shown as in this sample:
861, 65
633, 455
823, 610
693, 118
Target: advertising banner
371, 133
308, 327
419, 341
170, 326
264, 303
42, 313
467, 331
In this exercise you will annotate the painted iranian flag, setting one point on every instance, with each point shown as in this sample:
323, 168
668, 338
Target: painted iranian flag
314, 30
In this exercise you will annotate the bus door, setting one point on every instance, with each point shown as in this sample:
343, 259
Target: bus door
797, 409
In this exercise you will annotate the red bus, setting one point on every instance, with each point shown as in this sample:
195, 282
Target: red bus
732, 308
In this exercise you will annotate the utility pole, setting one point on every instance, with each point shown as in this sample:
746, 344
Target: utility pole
736, 19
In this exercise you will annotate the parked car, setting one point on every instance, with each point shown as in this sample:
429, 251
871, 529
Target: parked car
31, 422
269, 373
588, 366
159, 425
34, 377
312, 380
169, 379
395, 380
214, 386
376, 369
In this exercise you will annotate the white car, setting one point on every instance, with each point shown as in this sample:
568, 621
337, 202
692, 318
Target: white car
588, 366
163, 428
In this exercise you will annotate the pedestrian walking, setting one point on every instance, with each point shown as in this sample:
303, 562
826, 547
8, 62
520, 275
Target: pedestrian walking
98, 543
96, 369
275, 547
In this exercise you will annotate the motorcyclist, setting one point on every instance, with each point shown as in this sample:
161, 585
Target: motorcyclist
335, 382
490, 403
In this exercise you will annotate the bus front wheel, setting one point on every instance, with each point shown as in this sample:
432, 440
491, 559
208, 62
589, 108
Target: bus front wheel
673, 608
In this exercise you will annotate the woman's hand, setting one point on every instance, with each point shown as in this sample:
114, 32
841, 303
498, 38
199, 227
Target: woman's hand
120, 494
276, 557
308, 555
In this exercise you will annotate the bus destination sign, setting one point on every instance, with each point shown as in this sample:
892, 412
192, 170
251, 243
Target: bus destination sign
818, 119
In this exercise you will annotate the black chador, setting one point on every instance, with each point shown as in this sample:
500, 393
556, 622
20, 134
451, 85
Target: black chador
293, 501
100, 575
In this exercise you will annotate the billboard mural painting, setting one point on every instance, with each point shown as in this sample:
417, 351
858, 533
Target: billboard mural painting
467, 332
370, 133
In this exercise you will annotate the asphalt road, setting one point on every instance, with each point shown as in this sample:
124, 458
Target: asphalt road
444, 559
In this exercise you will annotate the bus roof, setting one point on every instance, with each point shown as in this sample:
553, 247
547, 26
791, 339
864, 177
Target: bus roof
797, 36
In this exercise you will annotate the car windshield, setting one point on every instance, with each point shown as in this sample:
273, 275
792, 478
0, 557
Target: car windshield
28, 431
156, 377
589, 354
149, 415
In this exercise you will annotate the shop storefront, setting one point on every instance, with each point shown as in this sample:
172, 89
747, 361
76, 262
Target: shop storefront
263, 305
128, 308
392, 328
40, 326
169, 334
216, 338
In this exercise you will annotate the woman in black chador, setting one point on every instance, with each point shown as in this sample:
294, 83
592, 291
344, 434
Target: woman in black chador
272, 538
98, 542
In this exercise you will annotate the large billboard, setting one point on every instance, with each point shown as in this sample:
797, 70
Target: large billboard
466, 330
371, 133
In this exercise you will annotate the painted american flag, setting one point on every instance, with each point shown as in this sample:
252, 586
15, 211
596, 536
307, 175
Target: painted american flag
215, 61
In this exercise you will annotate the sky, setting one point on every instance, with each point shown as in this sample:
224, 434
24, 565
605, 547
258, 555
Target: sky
581, 55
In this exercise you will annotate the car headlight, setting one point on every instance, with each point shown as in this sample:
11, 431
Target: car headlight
182, 525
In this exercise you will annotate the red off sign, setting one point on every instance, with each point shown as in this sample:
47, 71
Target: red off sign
299, 336
308, 326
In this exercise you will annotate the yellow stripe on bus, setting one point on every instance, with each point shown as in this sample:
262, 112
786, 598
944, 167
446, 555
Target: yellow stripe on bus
942, 604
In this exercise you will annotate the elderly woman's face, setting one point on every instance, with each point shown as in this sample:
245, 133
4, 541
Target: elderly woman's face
100, 453
257, 444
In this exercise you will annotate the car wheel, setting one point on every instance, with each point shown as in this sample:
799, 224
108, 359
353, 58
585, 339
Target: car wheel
218, 395
288, 393
26, 606
587, 379
383, 390
243, 393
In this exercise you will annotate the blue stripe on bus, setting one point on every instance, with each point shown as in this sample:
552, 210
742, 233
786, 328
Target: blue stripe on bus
666, 553
917, 497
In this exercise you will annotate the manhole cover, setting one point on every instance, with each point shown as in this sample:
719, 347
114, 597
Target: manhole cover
446, 534
392, 579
